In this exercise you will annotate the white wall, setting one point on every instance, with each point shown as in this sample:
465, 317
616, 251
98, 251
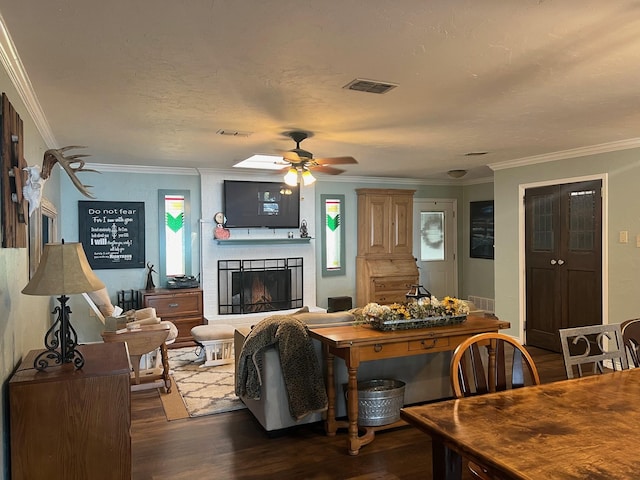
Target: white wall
212, 202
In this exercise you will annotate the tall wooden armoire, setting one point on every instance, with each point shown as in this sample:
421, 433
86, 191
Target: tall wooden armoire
385, 265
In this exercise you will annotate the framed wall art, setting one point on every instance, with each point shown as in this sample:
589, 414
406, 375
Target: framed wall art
112, 233
481, 241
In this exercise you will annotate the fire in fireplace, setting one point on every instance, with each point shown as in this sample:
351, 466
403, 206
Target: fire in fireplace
264, 285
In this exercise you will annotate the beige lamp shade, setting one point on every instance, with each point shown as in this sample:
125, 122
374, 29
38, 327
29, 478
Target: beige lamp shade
63, 270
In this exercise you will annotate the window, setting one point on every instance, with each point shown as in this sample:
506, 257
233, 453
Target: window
175, 233
333, 255
432, 231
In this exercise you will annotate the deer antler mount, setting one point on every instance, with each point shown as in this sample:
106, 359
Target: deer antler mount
71, 164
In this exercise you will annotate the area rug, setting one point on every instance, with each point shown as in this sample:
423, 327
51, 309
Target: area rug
206, 390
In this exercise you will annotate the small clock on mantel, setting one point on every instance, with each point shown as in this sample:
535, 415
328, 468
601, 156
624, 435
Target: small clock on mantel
220, 233
219, 218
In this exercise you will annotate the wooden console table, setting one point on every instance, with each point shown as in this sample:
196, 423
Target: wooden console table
355, 344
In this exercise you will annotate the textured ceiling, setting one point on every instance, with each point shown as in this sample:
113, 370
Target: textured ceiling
150, 82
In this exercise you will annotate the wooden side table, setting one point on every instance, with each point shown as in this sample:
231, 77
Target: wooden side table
140, 341
69, 423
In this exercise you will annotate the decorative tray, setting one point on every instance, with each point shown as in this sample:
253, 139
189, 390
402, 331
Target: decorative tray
441, 321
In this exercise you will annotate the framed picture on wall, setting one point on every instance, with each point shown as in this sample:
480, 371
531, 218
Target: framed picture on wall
112, 233
481, 241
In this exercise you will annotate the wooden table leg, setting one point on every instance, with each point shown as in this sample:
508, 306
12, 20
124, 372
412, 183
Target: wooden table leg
352, 411
447, 464
165, 367
330, 424
355, 441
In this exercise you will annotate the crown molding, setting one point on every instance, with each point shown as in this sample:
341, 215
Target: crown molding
565, 154
350, 178
115, 168
15, 70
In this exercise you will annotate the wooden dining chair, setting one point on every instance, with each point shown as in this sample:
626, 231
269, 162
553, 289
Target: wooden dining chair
631, 338
504, 364
598, 346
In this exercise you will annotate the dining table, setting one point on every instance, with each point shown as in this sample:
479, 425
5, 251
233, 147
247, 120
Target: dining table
584, 428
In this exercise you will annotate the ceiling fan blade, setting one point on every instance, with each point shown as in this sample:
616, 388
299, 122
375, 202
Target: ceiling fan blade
325, 169
335, 161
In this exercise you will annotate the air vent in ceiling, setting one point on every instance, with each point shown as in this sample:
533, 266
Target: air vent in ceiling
474, 154
233, 133
370, 86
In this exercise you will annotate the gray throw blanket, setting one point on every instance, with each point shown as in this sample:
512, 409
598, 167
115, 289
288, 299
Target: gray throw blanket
300, 369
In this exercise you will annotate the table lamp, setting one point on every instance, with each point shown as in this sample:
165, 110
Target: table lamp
63, 270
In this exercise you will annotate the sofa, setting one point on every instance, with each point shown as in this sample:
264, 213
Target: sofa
426, 376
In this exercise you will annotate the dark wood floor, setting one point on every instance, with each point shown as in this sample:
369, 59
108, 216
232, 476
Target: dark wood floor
234, 446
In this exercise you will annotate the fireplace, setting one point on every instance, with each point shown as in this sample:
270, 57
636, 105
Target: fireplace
262, 285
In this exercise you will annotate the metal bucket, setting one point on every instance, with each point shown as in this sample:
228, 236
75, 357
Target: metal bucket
379, 402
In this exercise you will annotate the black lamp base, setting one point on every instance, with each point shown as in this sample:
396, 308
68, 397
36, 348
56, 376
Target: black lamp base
60, 340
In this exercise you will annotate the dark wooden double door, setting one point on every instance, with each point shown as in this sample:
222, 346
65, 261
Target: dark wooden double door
563, 249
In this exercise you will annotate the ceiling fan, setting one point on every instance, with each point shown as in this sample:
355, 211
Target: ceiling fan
302, 162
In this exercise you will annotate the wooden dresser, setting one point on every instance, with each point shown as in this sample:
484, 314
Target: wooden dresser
182, 306
72, 424
385, 266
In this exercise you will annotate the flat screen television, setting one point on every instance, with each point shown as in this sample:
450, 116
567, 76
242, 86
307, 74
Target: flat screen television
250, 204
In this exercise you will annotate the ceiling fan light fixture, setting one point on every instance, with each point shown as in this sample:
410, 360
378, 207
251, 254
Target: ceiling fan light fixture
291, 177
307, 178
457, 173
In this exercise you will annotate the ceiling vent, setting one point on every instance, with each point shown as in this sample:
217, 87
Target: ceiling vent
370, 86
474, 154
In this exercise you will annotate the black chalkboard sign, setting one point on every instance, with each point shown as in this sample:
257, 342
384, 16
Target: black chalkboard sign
112, 233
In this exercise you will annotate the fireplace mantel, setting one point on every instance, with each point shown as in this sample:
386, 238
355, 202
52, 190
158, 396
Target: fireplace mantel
262, 241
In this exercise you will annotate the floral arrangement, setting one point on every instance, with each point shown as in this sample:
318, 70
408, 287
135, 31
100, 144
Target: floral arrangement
423, 308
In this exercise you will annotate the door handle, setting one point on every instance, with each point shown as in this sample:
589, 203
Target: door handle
553, 262
560, 262
427, 346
